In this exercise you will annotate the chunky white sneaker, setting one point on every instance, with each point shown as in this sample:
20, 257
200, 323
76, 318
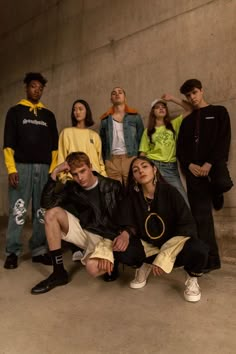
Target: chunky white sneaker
141, 275
77, 256
192, 291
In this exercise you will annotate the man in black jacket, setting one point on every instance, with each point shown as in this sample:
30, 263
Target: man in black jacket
203, 149
83, 212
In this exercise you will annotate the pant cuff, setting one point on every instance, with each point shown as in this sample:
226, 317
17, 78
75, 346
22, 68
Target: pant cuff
39, 251
194, 274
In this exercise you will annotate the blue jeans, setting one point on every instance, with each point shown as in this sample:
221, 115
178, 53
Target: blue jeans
169, 171
32, 178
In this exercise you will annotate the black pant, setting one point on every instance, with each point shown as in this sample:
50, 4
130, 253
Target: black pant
200, 192
134, 255
193, 257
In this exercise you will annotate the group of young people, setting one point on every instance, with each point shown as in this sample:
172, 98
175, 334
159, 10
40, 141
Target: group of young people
118, 195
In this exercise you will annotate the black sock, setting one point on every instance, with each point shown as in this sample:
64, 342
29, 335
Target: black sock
57, 261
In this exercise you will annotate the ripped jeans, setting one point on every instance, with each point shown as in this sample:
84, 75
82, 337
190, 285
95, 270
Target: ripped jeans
32, 178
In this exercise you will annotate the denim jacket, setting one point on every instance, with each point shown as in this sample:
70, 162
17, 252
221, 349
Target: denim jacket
133, 130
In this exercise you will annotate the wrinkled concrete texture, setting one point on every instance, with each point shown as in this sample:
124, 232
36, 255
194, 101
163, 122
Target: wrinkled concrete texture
85, 48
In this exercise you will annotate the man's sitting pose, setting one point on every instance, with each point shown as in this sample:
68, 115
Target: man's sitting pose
84, 212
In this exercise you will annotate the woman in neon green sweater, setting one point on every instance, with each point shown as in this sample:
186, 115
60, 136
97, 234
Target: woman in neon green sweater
80, 138
158, 142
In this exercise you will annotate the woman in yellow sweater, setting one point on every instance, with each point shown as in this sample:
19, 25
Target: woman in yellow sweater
80, 138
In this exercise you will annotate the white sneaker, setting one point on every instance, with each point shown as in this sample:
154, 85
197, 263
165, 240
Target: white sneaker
77, 256
192, 291
141, 275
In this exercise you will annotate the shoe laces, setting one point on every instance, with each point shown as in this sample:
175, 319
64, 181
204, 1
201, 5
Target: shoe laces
192, 284
137, 273
142, 273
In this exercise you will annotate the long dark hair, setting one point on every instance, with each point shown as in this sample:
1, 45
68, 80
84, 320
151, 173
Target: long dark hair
131, 181
152, 123
88, 118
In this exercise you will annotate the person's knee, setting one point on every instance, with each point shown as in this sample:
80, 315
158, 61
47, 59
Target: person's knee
52, 215
92, 268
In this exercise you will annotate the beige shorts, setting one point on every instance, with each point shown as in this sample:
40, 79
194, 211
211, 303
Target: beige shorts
80, 237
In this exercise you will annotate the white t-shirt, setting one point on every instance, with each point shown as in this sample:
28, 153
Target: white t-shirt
118, 142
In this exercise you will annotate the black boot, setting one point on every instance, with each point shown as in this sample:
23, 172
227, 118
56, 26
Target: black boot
11, 261
51, 282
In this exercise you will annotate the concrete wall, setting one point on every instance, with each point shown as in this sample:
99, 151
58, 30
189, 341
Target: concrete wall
86, 47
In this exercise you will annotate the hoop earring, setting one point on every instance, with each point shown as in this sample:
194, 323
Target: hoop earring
136, 188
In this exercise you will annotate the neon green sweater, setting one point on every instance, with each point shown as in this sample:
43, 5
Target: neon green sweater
163, 146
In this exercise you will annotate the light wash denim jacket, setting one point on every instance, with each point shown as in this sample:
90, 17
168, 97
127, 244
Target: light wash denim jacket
133, 130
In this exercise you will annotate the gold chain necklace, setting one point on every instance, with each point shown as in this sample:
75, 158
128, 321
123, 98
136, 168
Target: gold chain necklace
148, 202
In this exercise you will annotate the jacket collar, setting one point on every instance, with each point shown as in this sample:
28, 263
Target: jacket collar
111, 111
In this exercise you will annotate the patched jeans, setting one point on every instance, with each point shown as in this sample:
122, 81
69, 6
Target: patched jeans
169, 171
32, 178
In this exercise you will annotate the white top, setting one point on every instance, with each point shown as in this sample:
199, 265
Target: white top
118, 142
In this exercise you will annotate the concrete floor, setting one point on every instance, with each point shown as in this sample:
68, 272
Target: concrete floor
88, 316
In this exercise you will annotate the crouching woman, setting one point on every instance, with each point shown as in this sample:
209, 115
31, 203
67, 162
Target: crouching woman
166, 227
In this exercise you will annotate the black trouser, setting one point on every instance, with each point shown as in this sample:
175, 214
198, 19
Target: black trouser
134, 255
193, 257
200, 191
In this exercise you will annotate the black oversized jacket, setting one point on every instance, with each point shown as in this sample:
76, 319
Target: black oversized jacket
72, 197
214, 134
169, 205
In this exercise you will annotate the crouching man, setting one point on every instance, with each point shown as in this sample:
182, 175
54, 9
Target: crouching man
84, 212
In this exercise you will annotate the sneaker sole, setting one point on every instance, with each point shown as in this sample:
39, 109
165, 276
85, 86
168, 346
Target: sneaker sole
134, 285
192, 298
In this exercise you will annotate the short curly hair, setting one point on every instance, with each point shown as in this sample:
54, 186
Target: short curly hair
35, 76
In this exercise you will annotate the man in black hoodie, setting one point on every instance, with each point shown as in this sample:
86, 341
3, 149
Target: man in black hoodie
203, 149
30, 152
